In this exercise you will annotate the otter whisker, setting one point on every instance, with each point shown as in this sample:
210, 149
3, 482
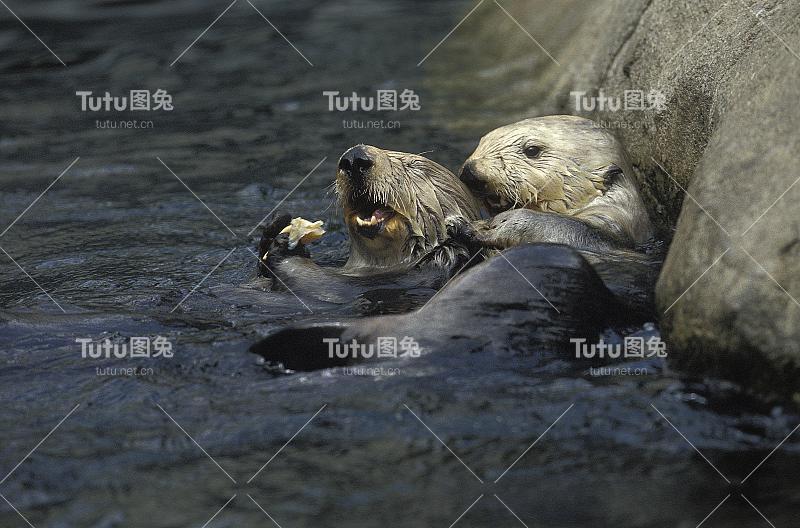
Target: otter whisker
333, 202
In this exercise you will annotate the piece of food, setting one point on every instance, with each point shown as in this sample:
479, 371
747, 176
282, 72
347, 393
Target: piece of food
301, 231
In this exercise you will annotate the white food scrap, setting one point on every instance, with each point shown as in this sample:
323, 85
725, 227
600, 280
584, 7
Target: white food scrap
302, 231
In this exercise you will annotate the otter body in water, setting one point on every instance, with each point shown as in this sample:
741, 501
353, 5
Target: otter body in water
395, 206
532, 302
557, 179
580, 197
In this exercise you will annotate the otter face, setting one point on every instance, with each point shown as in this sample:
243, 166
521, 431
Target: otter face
552, 163
395, 205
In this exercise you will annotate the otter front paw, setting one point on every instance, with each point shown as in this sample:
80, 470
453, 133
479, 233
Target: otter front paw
275, 247
464, 232
459, 228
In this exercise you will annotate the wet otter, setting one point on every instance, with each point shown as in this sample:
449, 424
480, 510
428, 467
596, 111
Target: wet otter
564, 179
532, 302
395, 206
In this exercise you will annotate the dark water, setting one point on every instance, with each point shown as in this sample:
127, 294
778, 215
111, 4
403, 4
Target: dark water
119, 241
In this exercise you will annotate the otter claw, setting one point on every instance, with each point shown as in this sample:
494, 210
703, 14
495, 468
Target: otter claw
266, 246
278, 224
459, 228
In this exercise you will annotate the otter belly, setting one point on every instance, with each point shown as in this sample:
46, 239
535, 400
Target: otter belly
530, 301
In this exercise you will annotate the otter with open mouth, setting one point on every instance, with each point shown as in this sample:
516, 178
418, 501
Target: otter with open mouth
395, 207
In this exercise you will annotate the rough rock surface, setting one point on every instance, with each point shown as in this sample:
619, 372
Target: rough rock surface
721, 152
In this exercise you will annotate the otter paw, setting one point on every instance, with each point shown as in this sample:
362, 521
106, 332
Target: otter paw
273, 246
280, 249
279, 223
459, 228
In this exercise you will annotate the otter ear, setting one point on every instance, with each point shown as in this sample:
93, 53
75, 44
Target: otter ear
611, 173
604, 177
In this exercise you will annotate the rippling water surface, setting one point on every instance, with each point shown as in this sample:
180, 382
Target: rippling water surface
119, 241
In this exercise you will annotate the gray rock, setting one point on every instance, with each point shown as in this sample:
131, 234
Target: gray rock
729, 73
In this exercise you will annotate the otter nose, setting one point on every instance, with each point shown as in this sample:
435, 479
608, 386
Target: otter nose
356, 161
469, 175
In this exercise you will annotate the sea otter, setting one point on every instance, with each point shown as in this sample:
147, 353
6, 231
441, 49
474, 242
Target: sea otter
557, 179
395, 205
563, 179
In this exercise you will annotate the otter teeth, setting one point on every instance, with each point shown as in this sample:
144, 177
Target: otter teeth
377, 217
371, 222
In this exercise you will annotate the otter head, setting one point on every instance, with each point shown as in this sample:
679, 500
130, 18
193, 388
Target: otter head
562, 164
395, 205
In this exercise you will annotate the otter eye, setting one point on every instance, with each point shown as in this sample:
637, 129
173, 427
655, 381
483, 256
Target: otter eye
532, 151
